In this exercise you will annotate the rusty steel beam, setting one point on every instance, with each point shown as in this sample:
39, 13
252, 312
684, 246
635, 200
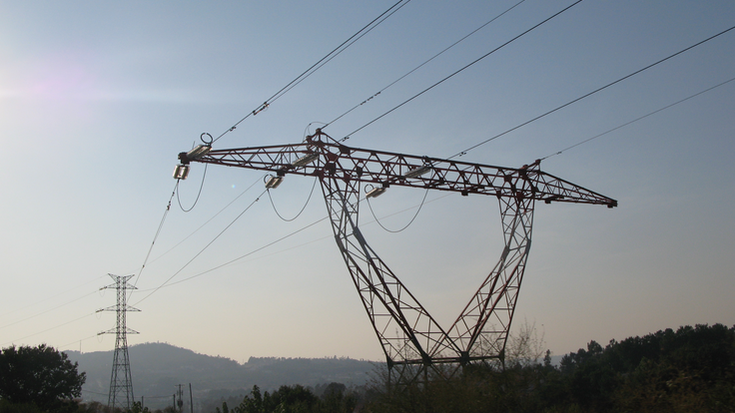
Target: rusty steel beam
387, 169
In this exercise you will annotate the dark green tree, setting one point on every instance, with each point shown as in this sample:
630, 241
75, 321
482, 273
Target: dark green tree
336, 399
287, 399
138, 408
41, 376
688, 370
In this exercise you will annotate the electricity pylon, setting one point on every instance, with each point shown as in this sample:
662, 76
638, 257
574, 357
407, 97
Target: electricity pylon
121, 380
410, 337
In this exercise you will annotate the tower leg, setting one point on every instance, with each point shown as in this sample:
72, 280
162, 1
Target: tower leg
415, 346
482, 328
406, 331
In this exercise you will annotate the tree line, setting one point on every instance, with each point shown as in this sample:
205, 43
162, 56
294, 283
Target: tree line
688, 370
691, 369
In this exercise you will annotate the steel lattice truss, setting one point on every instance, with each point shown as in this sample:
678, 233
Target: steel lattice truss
121, 379
408, 334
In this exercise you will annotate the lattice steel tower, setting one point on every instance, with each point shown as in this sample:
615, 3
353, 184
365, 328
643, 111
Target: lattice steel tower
413, 342
121, 381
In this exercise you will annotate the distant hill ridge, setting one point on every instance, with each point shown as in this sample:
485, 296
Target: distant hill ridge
157, 368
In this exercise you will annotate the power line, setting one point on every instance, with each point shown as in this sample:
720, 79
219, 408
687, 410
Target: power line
270, 244
201, 187
244, 255
394, 231
302, 208
638, 118
144, 264
46, 300
208, 221
78, 341
160, 226
324, 60
422, 65
158, 231
203, 249
48, 329
464, 152
49, 310
458, 71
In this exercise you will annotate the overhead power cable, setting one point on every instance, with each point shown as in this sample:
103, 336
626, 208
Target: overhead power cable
270, 244
395, 231
158, 231
316, 66
196, 200
232, 261
46, 330
209, 220
47, 299
422, 64
298, 214
77, 342
48, 310
169, 284
203, 249
460, 70
464, 152
638, 118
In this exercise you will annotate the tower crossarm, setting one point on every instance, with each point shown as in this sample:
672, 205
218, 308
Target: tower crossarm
321, 156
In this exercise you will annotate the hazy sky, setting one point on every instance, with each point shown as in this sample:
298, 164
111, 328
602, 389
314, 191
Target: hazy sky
98, 97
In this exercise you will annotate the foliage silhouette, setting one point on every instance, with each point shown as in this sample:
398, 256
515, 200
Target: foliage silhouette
41, 376
689, 370
296, 399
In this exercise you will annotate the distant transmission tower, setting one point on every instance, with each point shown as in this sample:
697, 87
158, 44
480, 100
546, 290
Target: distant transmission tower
121, 381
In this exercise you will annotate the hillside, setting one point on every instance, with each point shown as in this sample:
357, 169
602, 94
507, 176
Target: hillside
157, 368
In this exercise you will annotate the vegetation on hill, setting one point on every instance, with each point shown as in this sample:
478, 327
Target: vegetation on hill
296, 399
157, 369
688, 370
